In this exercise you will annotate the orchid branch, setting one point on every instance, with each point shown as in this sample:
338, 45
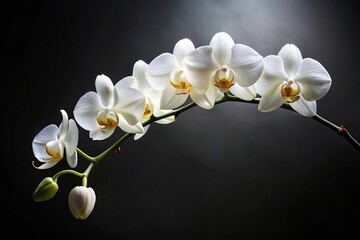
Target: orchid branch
341, 130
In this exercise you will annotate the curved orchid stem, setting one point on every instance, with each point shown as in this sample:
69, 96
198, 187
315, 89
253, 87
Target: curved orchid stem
341, 130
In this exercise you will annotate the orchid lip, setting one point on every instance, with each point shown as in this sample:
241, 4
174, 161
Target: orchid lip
290, 91
147, 111
107, 119
178, 81
224, 79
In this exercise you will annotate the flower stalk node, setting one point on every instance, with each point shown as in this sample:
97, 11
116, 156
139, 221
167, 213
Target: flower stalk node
118, 150
342, 129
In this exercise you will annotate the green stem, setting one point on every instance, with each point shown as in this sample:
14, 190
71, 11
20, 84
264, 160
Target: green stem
57, 175
84, 155
89, 168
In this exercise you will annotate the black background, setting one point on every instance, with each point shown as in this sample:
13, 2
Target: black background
228, 173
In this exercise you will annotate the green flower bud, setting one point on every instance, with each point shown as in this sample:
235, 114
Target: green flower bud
45, 190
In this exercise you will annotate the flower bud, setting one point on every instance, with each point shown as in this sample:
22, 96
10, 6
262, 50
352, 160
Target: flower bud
81, 201
45, 190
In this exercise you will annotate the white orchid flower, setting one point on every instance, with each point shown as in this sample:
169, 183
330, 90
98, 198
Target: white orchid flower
290, 79
225, 65
152, 98
81, 201
50, 144
166, 73
109, 107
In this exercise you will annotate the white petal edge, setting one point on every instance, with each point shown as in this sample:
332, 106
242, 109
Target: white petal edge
222, 43
182, 49
87, 109
305, 108
159, 112
291, 56
245, 93
47, 134
71, 139
205, 100
64, 124
159, 70
139, 70
129, 81
126, 127
272, 76
200, 67
72, 159
46, 165
130, 103
271, 102
170, 100
101, 134
247, 64
314, 79
105, 89
140, 135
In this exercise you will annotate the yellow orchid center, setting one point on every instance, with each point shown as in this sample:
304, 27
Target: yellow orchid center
178, 81
224, 79
147, 112
290, 91
107, 119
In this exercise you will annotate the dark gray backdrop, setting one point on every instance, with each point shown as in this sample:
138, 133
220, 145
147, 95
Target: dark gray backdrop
228, 173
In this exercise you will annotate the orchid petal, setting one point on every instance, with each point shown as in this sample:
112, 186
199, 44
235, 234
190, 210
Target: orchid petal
159, 112
222, 43
64, 124
72, 158
305, 108
139, 135
154, 96
46, 135
87, 109
272, 76
139, 70
47, 165
181, 49
291, 57
247, 64
205, 100
71, 138
314, 79
199, 67
126, 127
167, 120
245, 93
170, 99
128, 81
130, 103
105, 89
101, 134
271, 102
159, 69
